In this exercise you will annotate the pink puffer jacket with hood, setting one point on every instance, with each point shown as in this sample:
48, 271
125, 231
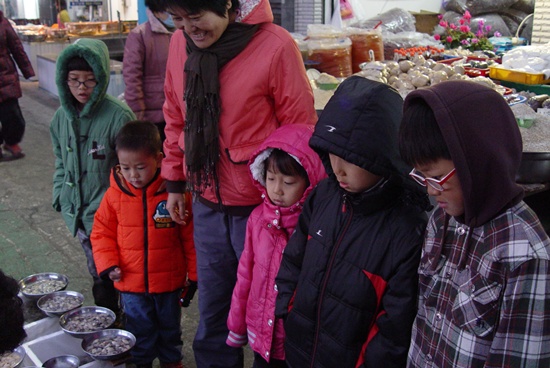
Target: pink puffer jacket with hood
252, 314
261, 89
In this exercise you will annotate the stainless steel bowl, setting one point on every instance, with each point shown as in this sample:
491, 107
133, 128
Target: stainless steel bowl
31, 281
534, 168
62, 361
59, 295
109, 334
15, 361
66, 320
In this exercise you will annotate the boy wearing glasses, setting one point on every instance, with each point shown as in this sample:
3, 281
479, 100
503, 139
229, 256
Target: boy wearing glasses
484, 273
347, 283
83, 132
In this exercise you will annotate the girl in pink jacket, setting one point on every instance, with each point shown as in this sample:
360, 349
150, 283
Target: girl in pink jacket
285, 169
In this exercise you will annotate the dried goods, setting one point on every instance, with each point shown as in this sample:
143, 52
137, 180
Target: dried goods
44, 287
88, 322
60, 303
9, 360
108, 346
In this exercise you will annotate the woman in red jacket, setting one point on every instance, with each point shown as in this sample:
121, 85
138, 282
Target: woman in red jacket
11, 118
232, 78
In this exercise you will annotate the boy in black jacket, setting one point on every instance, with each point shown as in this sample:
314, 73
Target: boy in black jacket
348, 278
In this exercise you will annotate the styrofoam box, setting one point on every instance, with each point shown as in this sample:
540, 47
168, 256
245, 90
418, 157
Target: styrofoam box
46, 340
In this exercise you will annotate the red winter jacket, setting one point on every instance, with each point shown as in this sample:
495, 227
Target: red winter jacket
11, 49
261, 89
153, 259
144, 67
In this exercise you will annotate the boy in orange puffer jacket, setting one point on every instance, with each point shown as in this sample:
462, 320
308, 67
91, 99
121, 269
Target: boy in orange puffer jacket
138, 246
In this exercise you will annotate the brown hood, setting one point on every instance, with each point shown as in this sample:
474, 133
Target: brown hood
485, 144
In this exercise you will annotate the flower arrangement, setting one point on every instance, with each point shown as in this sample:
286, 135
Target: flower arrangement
461, 34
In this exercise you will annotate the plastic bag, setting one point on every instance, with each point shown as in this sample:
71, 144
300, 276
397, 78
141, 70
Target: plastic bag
526, 6
476, 7
394, 20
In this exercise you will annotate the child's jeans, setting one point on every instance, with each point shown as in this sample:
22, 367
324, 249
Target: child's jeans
154, 319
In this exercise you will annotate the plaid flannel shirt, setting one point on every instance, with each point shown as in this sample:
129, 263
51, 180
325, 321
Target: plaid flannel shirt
492, 309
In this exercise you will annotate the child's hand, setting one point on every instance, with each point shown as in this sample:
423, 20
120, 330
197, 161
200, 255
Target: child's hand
115, 275
188, 293
175, 204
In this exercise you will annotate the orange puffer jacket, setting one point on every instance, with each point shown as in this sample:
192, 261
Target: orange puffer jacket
156, 258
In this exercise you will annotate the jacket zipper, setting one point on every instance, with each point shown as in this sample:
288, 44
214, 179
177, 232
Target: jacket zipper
327, 274
145, 242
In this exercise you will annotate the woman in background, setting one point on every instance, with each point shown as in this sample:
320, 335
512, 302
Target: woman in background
144, 65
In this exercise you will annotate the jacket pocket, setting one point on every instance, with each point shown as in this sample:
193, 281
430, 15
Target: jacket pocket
238, 157
429, 274
476, 305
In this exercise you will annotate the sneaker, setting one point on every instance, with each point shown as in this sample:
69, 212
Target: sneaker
15, 151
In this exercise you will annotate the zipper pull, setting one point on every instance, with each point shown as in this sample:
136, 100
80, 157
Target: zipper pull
344, 204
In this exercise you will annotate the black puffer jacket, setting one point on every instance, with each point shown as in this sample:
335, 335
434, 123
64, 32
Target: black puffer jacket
348, 278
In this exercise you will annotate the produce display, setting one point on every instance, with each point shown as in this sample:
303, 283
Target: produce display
107, 346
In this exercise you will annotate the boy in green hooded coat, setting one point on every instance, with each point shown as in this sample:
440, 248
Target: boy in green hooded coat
83, 132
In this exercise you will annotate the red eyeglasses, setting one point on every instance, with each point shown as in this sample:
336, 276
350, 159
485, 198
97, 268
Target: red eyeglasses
434, 183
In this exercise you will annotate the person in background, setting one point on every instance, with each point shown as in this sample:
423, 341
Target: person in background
144, 65
83, 132
285, 169
232, 78
347, 283
12, 320
485, 266
62, 14
137, 245
11, 118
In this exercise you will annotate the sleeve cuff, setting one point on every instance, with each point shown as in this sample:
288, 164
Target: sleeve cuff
236, 341
175, 186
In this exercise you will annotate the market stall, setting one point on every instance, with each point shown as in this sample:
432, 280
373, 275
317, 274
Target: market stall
40, 40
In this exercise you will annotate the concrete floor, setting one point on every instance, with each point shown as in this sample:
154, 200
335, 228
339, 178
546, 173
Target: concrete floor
33, 237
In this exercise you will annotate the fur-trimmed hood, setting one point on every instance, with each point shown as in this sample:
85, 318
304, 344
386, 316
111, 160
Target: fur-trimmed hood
95, 52
293, 139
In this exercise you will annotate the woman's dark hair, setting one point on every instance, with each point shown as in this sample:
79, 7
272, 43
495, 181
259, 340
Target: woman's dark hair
280, 161
139, 136
196, 6
62, 4
420, 139
155, 5
12, 319
78, 63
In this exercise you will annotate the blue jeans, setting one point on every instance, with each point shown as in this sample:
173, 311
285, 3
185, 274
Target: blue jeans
219, 242
154, 319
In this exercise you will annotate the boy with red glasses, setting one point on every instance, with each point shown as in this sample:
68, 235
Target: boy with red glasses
484, 272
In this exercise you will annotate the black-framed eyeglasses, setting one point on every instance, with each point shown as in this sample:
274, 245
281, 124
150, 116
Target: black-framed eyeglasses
88, 83
434, 183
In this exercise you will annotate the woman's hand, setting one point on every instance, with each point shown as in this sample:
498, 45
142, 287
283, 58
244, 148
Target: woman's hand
176, 207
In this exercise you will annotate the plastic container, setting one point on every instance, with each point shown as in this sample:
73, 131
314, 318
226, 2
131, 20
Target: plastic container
517, 76
333, 56
366, 45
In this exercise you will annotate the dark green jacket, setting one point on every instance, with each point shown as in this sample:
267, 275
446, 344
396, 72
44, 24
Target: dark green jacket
84, 143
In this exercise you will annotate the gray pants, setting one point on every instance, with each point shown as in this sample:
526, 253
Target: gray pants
219, 242
103, 290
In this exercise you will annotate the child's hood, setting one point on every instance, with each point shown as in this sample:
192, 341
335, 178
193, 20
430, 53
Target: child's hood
293, 139
360, 124
484, 142
95, 52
